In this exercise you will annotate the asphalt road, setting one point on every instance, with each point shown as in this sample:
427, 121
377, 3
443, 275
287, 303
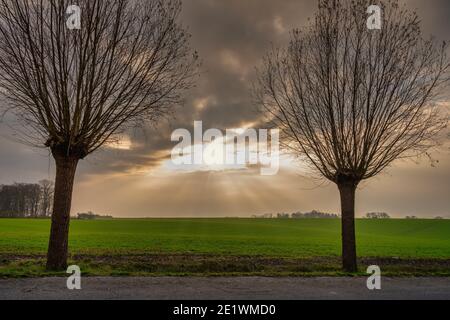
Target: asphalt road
225, 288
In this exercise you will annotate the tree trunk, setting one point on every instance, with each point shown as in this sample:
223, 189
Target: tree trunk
347, 191
59, 233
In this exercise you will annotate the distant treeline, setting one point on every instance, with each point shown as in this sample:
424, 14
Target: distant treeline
377, 215
315, 214
324, 215
92, 216
299, 215
22, 200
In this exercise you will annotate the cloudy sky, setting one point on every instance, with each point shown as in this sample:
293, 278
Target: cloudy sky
134, 178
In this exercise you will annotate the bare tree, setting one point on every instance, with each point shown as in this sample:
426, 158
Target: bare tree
33, 195
350, 100
75, 89
20, 200
47, 192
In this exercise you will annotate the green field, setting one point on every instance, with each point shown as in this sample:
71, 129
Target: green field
155, 246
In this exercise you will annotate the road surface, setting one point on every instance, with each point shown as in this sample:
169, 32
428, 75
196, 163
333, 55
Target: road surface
225, 288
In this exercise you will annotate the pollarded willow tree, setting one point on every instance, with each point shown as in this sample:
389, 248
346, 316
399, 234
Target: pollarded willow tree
350, 100
74, 89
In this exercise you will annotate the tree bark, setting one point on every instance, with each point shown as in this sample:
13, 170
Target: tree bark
59, 233
347, 191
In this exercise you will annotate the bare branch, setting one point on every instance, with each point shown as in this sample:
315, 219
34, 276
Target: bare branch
352, 100
74, 89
